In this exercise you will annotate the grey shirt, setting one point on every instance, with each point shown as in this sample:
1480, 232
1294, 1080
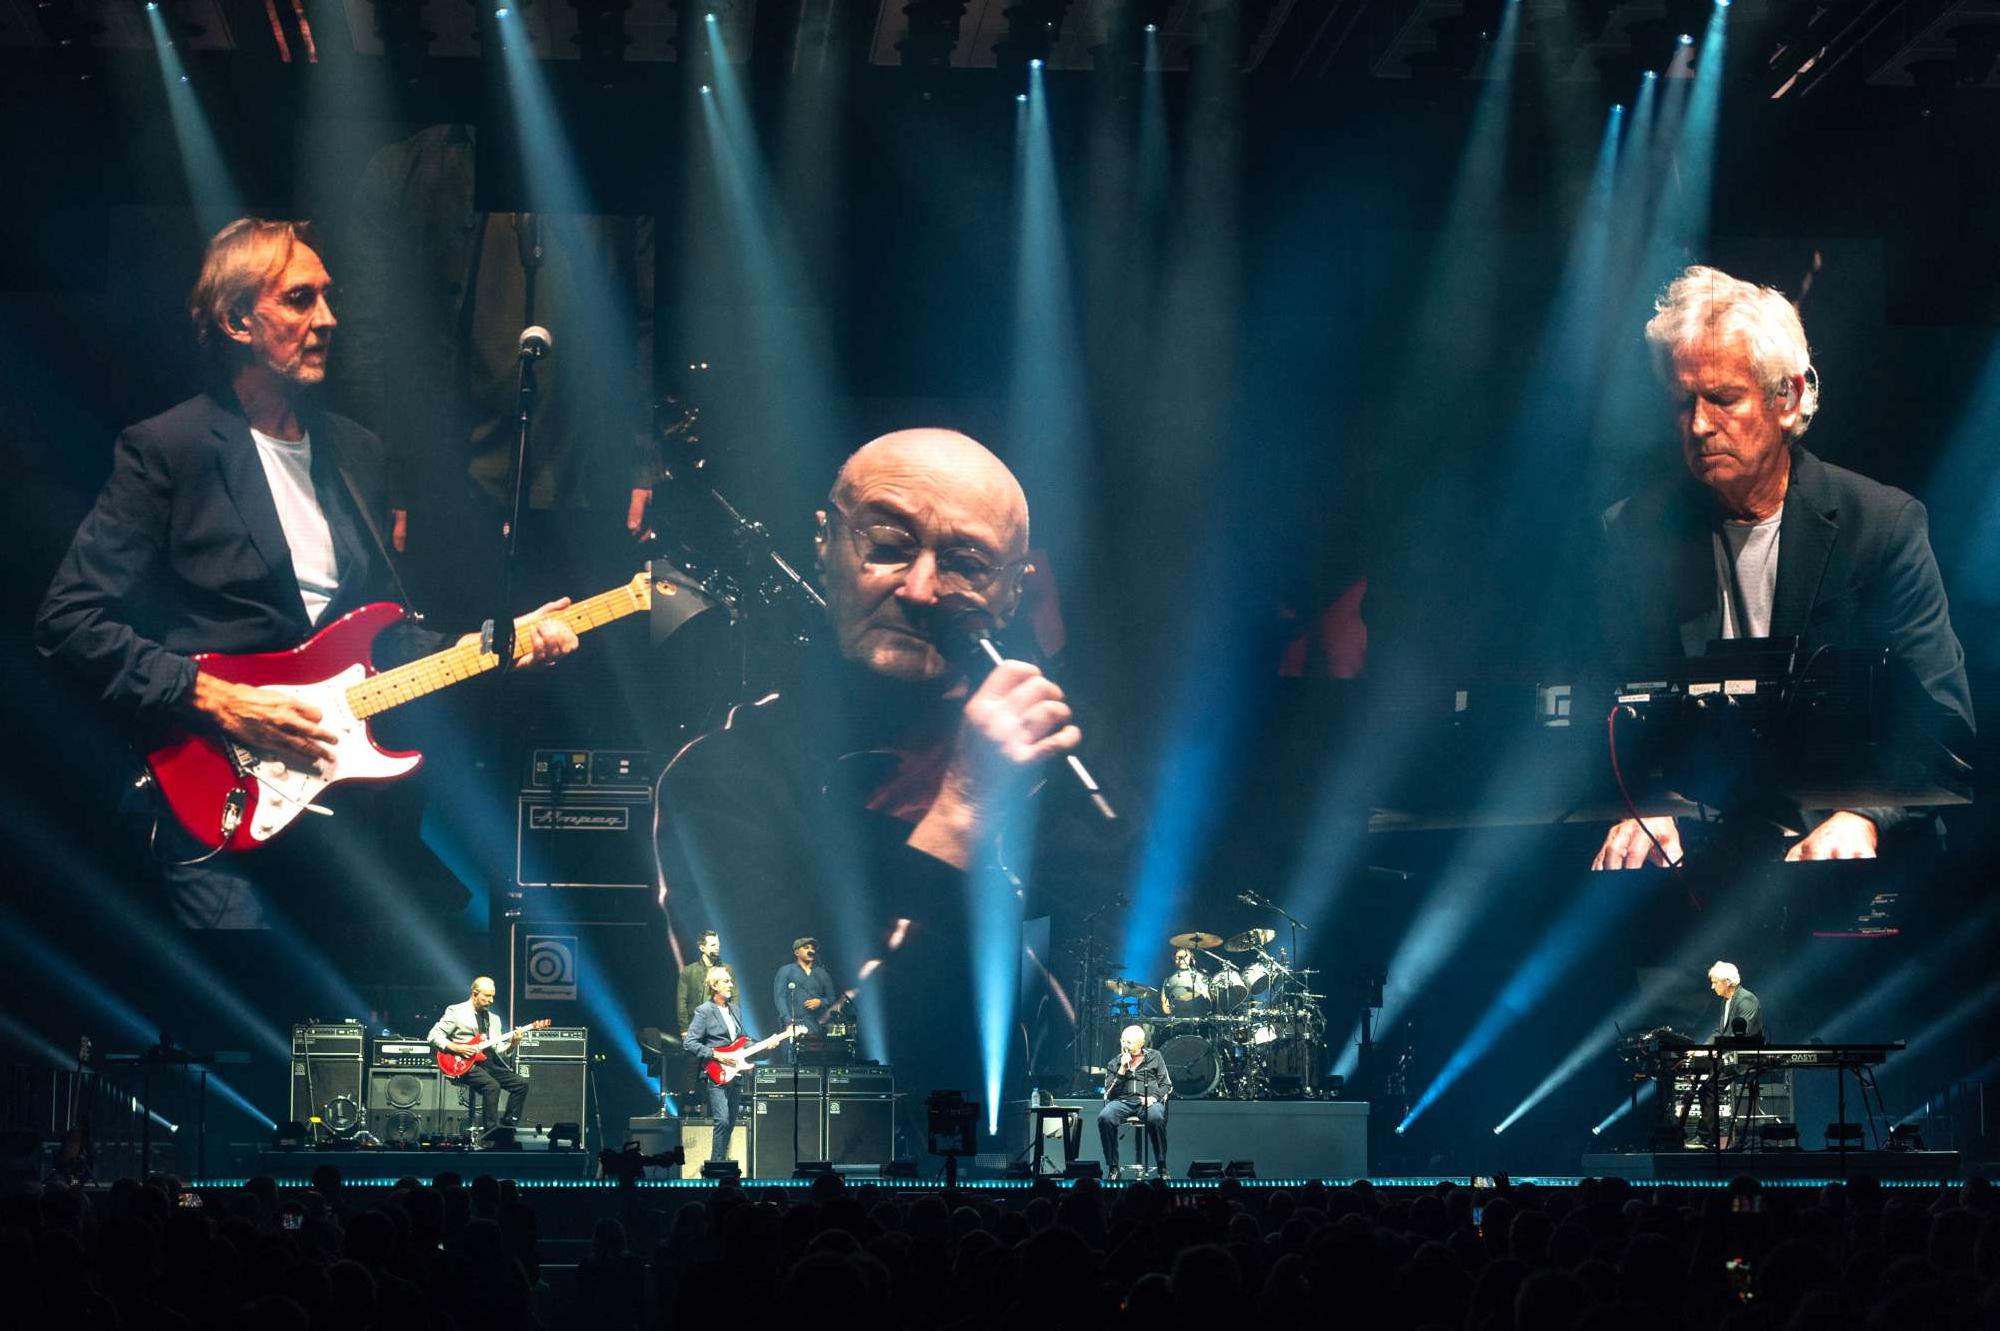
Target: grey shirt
1746, 566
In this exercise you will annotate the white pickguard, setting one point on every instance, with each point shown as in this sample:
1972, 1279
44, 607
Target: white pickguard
283, 791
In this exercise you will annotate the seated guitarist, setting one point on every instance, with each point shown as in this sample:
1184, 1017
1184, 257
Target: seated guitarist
716, 1023
239, 521
454, 1032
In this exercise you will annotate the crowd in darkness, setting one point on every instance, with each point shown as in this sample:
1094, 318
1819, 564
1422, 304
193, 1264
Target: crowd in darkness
1603, 1255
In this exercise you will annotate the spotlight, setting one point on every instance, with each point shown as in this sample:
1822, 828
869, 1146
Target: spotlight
1652, 73
1722, 4
151, 5
1152, 27
566, 1136
704, 90
1905, 1137
721, 1171
500, 12
1036, 63
286, 1136
1020, 96
709, 17
1685, 39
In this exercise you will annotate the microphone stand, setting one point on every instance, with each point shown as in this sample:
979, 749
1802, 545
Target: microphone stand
497, 635
791, 1021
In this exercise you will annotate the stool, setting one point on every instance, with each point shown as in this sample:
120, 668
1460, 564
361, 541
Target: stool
1137, 1122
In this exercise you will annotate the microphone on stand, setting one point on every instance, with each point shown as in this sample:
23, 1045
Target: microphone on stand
1248, 898
536, 342
969, 622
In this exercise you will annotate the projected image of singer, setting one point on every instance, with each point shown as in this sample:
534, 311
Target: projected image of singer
1761, 539
872, 805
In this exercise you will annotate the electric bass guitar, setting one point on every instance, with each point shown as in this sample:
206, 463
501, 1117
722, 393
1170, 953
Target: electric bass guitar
457, 1065
233, 797
722, 1073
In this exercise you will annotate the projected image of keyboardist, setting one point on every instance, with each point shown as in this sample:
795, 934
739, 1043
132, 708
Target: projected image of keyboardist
1760, 539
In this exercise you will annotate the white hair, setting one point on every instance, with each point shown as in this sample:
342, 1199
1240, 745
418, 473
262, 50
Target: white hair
1706, 304
1139, 1031
1726, 972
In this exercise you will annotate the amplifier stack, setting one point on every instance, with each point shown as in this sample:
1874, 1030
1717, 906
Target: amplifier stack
843, 1115
327, 1059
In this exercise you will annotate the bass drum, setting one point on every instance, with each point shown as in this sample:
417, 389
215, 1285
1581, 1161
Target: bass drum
1193, 1065
1229, 991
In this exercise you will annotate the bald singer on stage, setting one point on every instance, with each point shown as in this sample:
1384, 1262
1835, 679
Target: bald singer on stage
867, 806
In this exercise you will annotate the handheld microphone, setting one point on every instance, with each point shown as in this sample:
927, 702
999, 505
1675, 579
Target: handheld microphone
971, 623
536, 342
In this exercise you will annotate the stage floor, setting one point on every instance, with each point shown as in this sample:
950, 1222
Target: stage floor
1283, 1138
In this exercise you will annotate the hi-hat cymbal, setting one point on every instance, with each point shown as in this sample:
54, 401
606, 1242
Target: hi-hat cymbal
1131, 989
1197, 940
1249, 940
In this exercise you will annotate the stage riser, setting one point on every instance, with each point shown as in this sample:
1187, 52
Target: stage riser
1694, 1165
1285, 1138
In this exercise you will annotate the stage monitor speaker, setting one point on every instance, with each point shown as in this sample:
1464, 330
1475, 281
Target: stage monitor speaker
326, 1073
861, 1129
557, 1089
698, 1136
771, 1120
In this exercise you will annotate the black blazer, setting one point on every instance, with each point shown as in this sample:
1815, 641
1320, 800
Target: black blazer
1855, 569
183, 552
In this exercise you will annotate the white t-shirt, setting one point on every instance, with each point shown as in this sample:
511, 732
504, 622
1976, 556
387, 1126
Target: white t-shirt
288, 468
1751, 549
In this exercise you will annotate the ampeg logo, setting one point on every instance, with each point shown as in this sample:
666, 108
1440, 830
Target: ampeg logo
551, 968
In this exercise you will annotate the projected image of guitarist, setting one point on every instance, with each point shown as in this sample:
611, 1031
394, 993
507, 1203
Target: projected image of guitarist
228, 588
717, 1036
475, 1052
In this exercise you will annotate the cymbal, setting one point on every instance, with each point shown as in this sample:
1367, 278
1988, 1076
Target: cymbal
1131, 989
1249, 940
1197, 940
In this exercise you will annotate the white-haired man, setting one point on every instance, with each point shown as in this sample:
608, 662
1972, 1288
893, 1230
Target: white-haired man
1138, 1084
1762, 539
1742, 1015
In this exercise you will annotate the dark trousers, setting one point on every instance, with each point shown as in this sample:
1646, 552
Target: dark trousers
1113, 1116
487, 1080
724, 1106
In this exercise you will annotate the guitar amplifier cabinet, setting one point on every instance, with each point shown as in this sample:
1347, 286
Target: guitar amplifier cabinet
406, 1104
861, 1129
575, 836
771, 1120
326, 1070
557, 1089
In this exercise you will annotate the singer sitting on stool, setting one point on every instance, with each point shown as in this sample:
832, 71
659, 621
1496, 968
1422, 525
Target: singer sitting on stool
1137, 1085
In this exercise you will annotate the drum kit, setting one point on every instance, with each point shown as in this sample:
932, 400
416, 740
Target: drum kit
1250, 1029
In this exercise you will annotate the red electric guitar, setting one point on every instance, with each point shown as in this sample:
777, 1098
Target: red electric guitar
232, 797
722, 1073
457, 1065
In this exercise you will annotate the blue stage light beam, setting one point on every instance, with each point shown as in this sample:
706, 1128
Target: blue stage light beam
1625, 1106
1936, 1030
1590, 914
1681, 224
1979, 1076
996, 961
1046, 390
211, 190
1964, 499
1859, 1018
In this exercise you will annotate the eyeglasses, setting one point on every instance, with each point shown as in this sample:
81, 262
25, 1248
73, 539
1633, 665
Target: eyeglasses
890, 548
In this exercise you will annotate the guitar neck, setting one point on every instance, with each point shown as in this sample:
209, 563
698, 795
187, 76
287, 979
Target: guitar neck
455, 665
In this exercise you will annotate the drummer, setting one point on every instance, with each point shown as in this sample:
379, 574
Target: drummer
1185, 990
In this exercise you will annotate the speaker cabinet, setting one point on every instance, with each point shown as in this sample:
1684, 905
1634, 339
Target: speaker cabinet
556, 1089
771, 1125
698, 1135
861, 1129
405, 1104
326, 1075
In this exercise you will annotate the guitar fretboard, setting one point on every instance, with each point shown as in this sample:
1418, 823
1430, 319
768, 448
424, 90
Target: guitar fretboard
454, 665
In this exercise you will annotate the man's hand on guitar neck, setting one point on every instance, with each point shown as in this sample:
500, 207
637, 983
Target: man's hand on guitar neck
551, 639
264, 719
